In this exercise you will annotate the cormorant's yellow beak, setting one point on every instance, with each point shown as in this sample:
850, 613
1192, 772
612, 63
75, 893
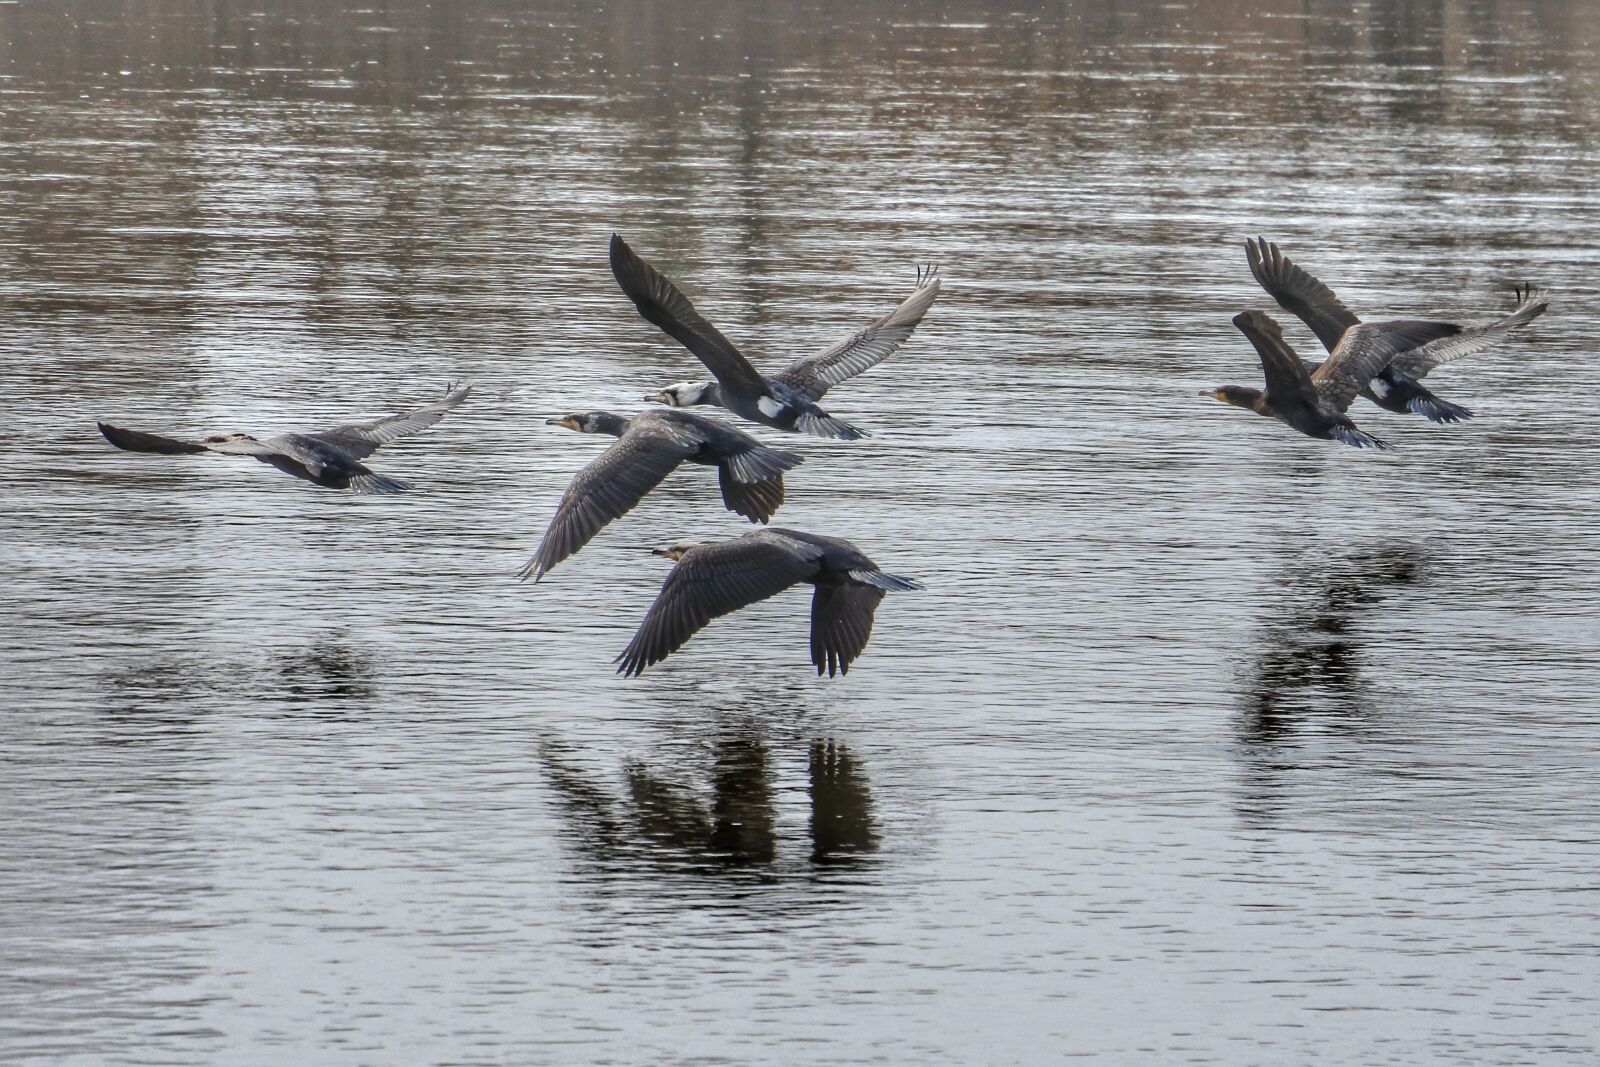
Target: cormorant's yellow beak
568, 421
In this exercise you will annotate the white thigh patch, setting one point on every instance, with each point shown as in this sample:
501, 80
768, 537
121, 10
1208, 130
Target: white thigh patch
769, 407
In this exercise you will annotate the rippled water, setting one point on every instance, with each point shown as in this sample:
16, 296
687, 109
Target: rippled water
1207, 742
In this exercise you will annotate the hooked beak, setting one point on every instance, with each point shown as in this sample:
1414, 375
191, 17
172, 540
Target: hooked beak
566, 421
658, 398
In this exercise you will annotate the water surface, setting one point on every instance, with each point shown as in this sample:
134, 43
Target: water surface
1207, 742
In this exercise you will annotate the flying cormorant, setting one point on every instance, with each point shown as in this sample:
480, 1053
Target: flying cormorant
788, 399
330, 458
649, 447
1396, 387
715, 578
1314, 402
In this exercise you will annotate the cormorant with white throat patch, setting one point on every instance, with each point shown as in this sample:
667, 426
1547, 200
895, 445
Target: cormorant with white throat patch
788, 399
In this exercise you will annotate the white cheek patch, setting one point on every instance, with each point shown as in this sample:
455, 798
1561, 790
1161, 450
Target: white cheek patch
769, 407
1380, 387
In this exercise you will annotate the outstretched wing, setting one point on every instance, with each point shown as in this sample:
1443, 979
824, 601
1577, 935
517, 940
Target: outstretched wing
1298, 291
1419, 361
869, 346
1365, 350
1288, 383
660, 302
360, 440
841, 622
607, 489
711, 581
138, 441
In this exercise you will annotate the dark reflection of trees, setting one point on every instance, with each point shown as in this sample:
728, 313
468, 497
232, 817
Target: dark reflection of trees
673, 823
1308, 661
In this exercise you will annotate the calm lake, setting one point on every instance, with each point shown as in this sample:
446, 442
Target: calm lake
1206, 743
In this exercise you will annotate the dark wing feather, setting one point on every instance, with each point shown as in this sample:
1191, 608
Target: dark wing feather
607, 489
1288, 384
1298, 291
137, 441
660, 302
711, 581
1365, 350
841, 622
869, 346
1419, 361
756, 501
360, 440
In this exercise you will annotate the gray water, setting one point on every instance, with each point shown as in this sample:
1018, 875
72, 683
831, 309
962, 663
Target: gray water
1207, 743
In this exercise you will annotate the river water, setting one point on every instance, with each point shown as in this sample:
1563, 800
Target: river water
1206, 743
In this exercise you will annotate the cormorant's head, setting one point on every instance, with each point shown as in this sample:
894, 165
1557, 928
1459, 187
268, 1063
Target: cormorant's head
675, 550
1237, 395
590, 422
682, 394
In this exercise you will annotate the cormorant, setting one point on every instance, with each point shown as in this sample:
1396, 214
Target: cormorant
329, 458
788, 399
1314, 402
716, 578
650, 446
1396, 387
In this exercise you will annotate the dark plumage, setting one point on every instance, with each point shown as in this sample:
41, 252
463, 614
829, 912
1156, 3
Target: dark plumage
716, 578
788, 399
329, 458
1397, 387
650, 446
1314, 402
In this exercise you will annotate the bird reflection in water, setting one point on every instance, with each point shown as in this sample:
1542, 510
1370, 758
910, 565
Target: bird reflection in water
1309, 662
668, 822
1307, 674
842, 826
329, 668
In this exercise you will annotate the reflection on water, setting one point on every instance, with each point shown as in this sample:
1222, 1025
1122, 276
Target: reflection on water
1196, 727
1307, 670
724, 819
327, 669
841, 805
330, 669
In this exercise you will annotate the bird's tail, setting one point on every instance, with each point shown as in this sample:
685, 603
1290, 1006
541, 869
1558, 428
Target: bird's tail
1358, 438
822, 425
370, 484
892, 583
1531, 303
1434, 409
762, 464
756, 501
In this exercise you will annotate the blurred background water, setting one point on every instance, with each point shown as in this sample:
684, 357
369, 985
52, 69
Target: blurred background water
1207, 742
